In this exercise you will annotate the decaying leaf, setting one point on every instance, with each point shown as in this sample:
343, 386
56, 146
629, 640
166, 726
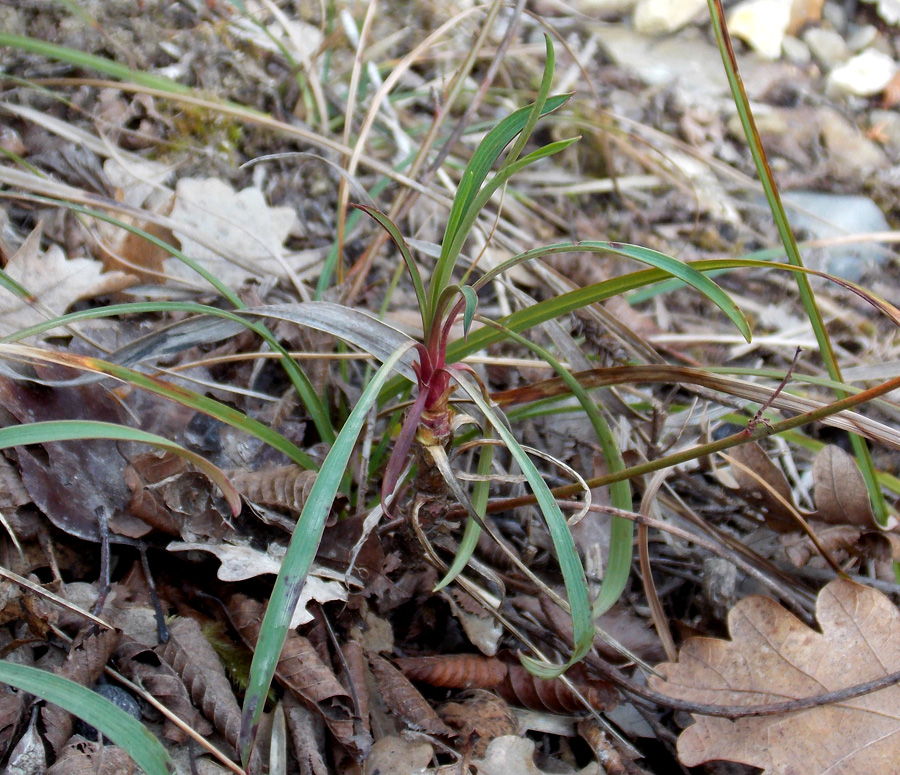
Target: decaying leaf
307, 735
773, 657
511, 681
840, 490
241, 561
55, 282
482, 629
84, 664
195, 660
510, 754
303, 671
398, 756
772, 496
12, 709
146, 668
479, 717
404, 700
285, 487
83, 757
219, 222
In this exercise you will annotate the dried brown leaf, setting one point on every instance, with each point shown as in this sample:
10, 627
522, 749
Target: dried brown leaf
84, 664
511, 681
146, 668
302, 670
55, 282
404, 700
479, 716
840, 490
752, 456
286, 487
398, 756
194, 659
773, 657
308, 735
83, 757
12, 710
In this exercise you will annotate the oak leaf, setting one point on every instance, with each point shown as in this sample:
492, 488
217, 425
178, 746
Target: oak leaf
773, 657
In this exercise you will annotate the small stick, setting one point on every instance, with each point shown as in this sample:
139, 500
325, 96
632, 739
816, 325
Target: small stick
751, 426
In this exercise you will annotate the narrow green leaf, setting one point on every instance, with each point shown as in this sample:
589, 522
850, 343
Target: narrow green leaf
471, 305
91, 62
183, 396
408, 259
473, 176
488, 189
621, 543
71, 430
125, 731
300, 554
566, 552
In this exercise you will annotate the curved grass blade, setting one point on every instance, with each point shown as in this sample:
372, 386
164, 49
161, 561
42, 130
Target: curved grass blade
473, 177
91, 62
671, 266
479, 499
410, 262
567, 554
621, 541
72, 430
300, 554
180, 395
125, 731
301, 382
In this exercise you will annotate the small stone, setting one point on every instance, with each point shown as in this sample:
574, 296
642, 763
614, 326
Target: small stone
828, 216
660, 17
864, 75
850, 154
833, 12
796, 50
761, 24
861, 37
889, 10
827, 47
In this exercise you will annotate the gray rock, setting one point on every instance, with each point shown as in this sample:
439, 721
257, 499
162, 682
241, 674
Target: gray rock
850, 154
861, 37
829, 216
833, 12
827, 47
796, 50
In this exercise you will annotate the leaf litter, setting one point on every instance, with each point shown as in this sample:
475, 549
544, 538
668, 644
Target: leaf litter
378, 673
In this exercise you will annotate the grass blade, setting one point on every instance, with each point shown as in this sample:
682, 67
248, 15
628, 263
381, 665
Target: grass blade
189, 398
300, 554
567, 554
72, 430
810, 305
125, 731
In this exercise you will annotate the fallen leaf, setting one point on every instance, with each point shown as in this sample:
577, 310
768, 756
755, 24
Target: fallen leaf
772, 657
55, 283
241, 562
512, 754
840, 490
479, 717
398, 756
219, 222
770, 490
